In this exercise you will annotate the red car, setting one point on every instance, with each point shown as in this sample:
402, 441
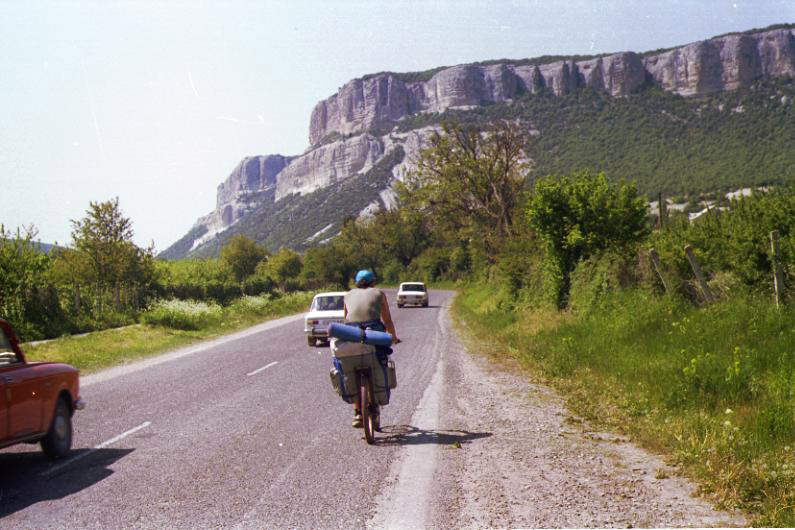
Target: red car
37, 400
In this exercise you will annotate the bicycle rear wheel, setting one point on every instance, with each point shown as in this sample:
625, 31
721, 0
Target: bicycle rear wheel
366, 403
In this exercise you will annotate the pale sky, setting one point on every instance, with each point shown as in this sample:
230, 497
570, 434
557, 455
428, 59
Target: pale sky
156, 101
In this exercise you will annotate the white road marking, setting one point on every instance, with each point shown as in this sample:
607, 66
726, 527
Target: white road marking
258, 370
96, 448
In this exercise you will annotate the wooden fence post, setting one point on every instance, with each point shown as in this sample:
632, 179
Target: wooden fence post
699, 275
778, 279
655, 259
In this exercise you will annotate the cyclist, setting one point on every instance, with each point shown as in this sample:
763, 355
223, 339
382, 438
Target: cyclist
367, 307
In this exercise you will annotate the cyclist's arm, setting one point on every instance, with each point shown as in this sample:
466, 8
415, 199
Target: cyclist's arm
386, 318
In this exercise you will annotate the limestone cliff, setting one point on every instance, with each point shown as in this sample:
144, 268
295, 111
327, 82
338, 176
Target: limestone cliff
722, 63
328, 164
253, 173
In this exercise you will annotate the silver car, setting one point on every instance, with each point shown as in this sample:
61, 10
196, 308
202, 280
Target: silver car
412, 293
325, 309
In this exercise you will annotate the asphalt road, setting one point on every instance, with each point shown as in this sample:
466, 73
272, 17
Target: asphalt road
242, 433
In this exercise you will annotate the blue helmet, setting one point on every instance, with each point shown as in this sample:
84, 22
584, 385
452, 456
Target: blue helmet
365, 276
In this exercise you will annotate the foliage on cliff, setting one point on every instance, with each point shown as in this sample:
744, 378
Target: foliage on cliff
661, 141
183, 245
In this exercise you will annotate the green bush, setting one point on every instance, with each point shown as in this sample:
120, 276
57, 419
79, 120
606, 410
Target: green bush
430, 266
250, 304
258, 285
182, 314
582, 215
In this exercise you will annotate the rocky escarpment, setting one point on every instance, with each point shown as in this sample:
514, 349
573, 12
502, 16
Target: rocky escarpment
253, 173
258, 180
353, 131
383, 99
328, 164
722, 63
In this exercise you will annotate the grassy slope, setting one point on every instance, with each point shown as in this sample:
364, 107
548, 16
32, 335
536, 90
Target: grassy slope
102, 349
713, 388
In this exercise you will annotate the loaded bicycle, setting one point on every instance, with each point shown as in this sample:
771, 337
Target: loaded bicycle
362, 375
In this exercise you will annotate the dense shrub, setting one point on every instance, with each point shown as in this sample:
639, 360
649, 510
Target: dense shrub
578, 216
597, 277
735, 241
182, 314
209, 280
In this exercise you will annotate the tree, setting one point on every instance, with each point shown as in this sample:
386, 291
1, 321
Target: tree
104, 240
22, 269
582, 214
402, 234
283, 266
358, 242
328, 265
470, 181
243, 255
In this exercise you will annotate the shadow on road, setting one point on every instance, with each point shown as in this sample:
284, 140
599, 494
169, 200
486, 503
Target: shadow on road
410, 435
27, 478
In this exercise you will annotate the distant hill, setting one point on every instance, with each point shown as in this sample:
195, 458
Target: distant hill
47, 247
44, 248
715, 114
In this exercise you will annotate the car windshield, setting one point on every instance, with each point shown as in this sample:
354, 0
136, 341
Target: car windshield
414, 287
327, 303
5, 344
7, 355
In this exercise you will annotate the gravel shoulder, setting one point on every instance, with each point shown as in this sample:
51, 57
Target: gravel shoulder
507, 453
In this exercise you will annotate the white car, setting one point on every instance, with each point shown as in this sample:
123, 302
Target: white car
412, 293
325, 309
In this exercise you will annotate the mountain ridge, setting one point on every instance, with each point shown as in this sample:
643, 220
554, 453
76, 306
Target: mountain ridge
369, 117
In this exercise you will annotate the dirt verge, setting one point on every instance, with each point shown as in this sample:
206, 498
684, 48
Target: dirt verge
509, 454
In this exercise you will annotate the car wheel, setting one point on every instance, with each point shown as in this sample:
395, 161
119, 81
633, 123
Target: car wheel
425, 303
311, 341
400, 306
58, 440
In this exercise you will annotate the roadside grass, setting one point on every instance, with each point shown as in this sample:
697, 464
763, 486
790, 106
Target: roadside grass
446, 285
712, 388
167, 325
